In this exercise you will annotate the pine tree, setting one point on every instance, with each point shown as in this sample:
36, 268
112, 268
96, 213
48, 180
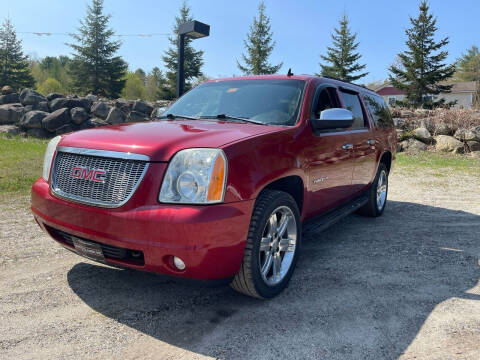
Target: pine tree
422, 70
259, 46
94, 67
341, 56
14, 67
193, 59
468, 66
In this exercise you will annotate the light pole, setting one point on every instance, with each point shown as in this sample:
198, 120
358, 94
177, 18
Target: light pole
195, 30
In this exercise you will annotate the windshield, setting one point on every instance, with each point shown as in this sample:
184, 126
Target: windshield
272, 102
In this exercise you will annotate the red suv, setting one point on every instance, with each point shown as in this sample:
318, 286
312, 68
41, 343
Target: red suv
221, 185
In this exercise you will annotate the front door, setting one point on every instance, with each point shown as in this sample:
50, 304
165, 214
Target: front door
330, 158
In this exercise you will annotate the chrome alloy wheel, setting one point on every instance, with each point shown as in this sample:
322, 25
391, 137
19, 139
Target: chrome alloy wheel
277, 246
382, 190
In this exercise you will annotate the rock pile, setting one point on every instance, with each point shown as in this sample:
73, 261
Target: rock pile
419, 139
40, 116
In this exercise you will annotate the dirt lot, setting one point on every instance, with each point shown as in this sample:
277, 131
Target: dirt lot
404, 285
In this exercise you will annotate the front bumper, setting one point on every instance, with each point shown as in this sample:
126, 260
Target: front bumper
209, 239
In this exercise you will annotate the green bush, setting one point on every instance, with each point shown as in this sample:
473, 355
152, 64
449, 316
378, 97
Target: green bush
50, 85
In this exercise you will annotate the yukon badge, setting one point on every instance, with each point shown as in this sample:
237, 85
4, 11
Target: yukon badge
320, 179
83, 173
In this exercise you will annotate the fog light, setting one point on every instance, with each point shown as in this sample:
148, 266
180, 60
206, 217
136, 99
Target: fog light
179, 264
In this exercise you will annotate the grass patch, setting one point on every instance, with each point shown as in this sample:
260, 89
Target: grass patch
21, 163
438, 162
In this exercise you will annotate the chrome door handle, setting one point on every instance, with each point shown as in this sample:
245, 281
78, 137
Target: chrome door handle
347, 146
371, 142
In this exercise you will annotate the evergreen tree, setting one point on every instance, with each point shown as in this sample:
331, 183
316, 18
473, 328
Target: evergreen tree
193, 59
422, 70
468, 66
14, 66
259, 46
342, 58
94, 67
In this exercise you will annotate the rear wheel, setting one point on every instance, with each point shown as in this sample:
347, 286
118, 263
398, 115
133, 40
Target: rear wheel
377, 194
272, 246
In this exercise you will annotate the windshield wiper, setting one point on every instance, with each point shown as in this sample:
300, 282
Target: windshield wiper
176, 116
229, 117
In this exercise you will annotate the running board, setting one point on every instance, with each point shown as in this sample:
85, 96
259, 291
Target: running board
322, 222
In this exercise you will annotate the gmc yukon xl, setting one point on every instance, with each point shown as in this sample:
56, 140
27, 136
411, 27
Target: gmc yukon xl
223, 183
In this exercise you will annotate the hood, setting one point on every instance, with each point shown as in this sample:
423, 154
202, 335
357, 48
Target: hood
160, 140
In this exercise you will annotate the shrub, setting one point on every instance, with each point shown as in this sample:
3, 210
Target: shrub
50, 85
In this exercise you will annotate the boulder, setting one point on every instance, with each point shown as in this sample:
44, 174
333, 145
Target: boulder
143, 107
39, 133
473, 145
69, 103
7, 90
42, 106
31, 97
465, 135
125, 105
96, 122
54, 121
423, 135
33, 119
136, 116
53, 96
443, 129
9, 129
79, 115
10, 113
412, 146
11, 98
91, 98
448, 143
475, 154
115, 116
64, 129
100, 109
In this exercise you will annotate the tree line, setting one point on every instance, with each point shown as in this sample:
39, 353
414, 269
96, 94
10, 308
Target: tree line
94, 66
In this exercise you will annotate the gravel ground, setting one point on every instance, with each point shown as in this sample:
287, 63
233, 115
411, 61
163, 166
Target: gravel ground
404, 285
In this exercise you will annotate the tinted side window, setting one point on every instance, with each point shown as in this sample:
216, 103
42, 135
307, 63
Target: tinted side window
379, 110
327, 99
352, 103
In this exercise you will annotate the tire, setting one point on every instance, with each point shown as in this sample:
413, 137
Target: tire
374, 208
257, 276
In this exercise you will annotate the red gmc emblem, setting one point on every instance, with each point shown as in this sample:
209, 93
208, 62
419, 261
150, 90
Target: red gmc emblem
83, 173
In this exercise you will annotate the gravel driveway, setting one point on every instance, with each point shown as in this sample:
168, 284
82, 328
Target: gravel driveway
404, 285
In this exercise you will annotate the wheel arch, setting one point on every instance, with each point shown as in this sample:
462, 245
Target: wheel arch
292, 185
386, 159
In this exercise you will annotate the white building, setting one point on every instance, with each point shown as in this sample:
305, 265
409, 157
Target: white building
462, 92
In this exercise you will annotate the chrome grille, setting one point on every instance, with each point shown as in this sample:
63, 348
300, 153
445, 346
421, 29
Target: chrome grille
121, 179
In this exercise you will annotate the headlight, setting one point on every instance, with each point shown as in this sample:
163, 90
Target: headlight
195, 176
47, 160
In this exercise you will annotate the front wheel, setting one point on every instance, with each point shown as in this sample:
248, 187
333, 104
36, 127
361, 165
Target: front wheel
272, 247
377, 194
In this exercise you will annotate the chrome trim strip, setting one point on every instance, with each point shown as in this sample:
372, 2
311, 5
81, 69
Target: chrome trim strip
99, 153
104, 153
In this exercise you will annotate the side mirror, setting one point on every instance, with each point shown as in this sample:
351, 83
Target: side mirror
336, 118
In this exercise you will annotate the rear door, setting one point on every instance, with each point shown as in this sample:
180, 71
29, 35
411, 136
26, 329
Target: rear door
330, 158
363, 141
